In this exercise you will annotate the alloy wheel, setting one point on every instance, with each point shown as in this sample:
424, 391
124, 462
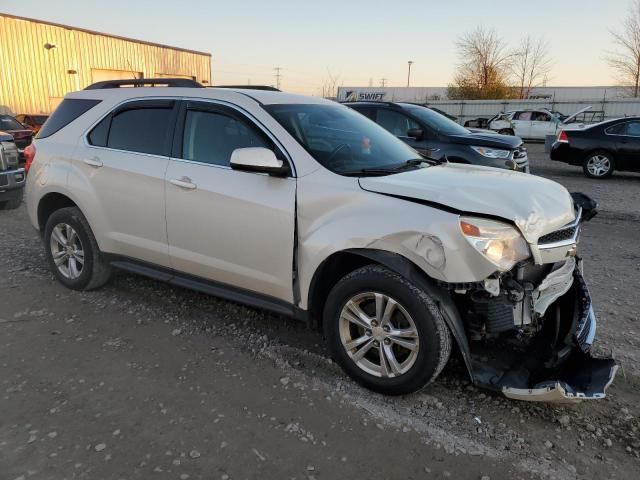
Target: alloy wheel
598, 165
379, 335
67, 251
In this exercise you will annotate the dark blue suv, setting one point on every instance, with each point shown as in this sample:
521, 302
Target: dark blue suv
426, 130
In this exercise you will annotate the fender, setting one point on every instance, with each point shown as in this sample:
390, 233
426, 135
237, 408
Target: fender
408, 270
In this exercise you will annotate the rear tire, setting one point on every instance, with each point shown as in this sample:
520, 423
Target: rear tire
598, 165
72, 251
406, 342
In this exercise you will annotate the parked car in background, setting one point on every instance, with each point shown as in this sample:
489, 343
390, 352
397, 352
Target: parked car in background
601, 148
12, 177
304, 207
533, 124
426, 130
22, 136
33, 122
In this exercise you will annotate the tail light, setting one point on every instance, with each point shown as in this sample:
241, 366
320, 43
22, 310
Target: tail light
29, 155
563, 137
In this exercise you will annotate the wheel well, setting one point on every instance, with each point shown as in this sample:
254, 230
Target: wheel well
598, 150
49, 204
328, 274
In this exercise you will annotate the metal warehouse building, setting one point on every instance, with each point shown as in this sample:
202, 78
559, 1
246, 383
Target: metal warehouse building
40, 62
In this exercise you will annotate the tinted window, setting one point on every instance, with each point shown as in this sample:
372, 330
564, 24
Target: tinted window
68, 110
436, 121
395, 122
98, 136
7, 122
633, 129
341, 139
143, 130
616, 129
211, 137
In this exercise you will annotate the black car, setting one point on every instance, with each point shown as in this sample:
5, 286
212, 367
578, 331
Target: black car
427, 130
12, 177
22, 135
601, 148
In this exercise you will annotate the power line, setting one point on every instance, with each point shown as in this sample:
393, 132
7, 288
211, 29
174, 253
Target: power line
383, 82
277, 69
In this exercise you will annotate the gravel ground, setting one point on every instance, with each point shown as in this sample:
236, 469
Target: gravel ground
142, 380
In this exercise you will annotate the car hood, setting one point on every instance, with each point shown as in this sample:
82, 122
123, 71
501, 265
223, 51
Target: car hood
487, 139
536, 205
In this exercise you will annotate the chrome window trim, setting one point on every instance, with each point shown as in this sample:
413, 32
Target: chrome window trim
224, 103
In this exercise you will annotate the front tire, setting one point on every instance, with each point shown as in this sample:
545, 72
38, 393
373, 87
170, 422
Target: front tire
386, 333
598, 165
72, 251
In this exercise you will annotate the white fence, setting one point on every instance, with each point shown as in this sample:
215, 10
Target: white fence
603, 109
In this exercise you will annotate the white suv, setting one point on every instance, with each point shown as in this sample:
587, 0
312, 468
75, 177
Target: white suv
306, 208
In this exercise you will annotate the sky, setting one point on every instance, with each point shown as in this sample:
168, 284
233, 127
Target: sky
358, 42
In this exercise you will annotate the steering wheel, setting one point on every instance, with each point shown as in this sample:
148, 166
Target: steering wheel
337, 150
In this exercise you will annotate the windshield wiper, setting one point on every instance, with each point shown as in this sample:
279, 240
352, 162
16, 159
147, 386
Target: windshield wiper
414, 162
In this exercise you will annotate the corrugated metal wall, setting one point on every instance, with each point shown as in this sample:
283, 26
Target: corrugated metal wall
33, 79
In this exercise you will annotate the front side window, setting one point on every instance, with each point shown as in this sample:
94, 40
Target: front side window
395, 122
633, 129
211, 137
142, 130
541, 117
341, 139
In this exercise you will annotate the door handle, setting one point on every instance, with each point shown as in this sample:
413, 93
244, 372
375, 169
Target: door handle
183, 182
93, 162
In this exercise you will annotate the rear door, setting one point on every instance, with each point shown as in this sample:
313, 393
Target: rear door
225, 225
122, 174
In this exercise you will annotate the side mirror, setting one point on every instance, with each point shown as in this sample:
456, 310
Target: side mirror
415, 133
257, 159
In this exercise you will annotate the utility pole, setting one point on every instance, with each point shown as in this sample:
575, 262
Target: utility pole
277, 69
383, 82
410, 62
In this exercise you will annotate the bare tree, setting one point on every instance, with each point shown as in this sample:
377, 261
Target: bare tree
484, 66
626, 59
531, 64
330, 85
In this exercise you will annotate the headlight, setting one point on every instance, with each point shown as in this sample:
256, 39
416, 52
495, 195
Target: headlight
492, 152
499, 242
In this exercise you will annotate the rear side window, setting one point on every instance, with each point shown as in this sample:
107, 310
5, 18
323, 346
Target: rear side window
616, 129
143, 130
68, 110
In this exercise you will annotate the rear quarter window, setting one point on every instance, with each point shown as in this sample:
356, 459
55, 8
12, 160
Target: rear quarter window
68, 110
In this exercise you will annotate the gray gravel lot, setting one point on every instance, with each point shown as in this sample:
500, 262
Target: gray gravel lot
142, 380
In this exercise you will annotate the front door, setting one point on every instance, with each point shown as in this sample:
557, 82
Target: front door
522, 124
541, 125
228, 226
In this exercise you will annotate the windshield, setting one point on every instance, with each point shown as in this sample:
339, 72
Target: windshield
9, 123
341, 139
436, 121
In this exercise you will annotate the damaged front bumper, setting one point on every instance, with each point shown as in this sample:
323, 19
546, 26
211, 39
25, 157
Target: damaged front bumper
557, 365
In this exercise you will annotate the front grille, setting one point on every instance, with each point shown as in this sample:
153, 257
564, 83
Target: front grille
559, 235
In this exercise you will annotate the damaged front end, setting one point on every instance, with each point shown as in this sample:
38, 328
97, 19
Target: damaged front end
530, 330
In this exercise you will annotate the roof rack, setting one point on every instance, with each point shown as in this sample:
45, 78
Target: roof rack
268, 88
145, 82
